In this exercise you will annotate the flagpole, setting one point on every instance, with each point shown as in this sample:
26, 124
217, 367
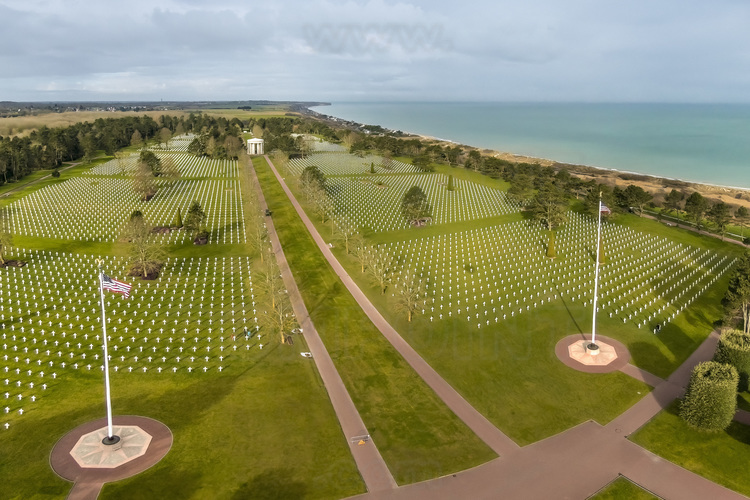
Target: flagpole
111, 438
592, 346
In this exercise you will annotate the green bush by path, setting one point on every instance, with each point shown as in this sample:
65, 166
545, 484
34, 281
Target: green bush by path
711, 397
417, 435
721, 456
734, 349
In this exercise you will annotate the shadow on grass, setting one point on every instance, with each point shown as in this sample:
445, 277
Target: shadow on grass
648, 355
572, 318
270, 485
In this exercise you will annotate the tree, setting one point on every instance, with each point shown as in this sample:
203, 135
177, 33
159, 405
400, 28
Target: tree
136, 139
711, 397
169, 170
549, 206
346, 232
673, 199
414, 204
380, 266
322, 204
144, 182
696, 206
312, 179
737, 298
719, 215
423, 163
636, 196
410, 297
164, 136
742, 215
6, 234
450, 183
361, 251
146, 255
521, 188
600, 192
734, 349
153, 161
178, 218
194, 217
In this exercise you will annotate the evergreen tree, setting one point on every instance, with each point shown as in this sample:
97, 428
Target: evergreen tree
450, 183
696, 206
734, 349
194, 217
719, 215
711, 397
737, 298
414, 204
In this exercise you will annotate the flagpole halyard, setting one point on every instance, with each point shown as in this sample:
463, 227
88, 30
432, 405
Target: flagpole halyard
111, 438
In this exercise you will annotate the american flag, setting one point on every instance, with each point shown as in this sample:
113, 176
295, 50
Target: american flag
605, 209
116, 286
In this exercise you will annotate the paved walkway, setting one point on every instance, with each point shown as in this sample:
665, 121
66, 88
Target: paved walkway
370, 463
574, 464
482, 427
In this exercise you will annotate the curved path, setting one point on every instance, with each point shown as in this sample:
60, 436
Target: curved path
574, 464
370, 463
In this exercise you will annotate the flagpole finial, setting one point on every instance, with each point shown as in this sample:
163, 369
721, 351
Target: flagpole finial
99, 262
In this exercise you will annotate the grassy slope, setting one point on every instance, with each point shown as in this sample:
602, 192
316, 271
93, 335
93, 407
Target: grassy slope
417, 435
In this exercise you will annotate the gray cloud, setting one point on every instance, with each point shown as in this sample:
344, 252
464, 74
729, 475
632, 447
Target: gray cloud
375, 49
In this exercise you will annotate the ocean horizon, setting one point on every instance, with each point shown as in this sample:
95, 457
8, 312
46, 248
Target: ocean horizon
704, 143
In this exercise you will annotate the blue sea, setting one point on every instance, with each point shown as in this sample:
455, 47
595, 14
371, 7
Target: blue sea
708, 143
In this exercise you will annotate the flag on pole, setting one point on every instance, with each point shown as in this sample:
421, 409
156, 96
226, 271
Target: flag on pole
605, 209
115, 286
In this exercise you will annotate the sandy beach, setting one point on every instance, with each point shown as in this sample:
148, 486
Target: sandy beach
658, 186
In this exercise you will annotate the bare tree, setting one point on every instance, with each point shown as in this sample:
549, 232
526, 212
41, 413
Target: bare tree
411, 296
380, 266
346, 231
144, 182
361, 251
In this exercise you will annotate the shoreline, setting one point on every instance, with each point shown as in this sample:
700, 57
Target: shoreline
655, 184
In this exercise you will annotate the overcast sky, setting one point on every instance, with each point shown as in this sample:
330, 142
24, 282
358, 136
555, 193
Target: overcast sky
331, 50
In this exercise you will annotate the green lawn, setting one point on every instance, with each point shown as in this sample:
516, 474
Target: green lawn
418, 436
623, 489
720, 457
509, 371
263, 424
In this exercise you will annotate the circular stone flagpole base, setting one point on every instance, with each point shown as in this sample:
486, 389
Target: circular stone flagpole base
579, 353
89, 458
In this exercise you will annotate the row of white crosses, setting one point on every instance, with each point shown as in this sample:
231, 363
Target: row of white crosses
189, 166
343, 163
193, 319
379, 208
495, 273
97, 208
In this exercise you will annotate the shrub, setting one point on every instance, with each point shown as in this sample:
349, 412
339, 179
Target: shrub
55, 173
734, 349
711, 398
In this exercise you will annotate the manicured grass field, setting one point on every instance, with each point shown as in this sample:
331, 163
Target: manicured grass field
417, 435
247, 422
502, 359
721, 457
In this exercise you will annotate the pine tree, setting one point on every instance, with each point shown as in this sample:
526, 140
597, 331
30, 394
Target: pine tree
178, 218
